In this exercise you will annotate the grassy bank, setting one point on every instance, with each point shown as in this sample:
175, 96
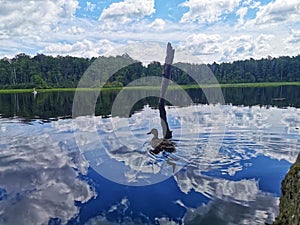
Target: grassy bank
172, 87
239, 85
263, 84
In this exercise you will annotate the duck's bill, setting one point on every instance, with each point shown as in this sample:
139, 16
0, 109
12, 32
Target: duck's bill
149, 132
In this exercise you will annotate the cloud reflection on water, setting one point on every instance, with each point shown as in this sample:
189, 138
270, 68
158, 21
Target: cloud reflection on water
40, 163
39, 179
206, 136
249, 132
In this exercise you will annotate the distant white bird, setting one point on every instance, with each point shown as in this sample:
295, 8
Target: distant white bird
34, 92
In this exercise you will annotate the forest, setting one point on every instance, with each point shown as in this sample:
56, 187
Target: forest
42, 71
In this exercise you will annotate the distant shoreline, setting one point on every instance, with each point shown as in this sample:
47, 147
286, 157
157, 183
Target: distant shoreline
171, 87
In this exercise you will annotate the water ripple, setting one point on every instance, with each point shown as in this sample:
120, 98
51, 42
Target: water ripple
215, 147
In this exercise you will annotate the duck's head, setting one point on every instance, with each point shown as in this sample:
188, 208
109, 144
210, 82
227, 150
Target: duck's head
154, 132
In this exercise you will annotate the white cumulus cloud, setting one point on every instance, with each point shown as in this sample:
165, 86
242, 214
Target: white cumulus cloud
208, 11
209, 29
246, 46
278, 11
202, 44
128, 10
294, 37
24, 18
84, 48
292, 42
76, 30
158, 24
241, 12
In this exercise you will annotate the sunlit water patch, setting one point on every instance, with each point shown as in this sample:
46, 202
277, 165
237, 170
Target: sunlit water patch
227, 168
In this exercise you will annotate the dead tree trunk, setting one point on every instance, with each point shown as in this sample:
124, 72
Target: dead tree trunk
164, 85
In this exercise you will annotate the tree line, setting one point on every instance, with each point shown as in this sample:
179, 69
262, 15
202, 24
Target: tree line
42, 71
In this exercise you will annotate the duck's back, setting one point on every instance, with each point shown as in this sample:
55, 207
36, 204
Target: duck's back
162, 144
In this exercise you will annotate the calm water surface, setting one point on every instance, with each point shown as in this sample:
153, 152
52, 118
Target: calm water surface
95, 169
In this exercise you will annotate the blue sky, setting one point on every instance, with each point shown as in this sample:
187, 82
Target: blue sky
167, 10
212, 30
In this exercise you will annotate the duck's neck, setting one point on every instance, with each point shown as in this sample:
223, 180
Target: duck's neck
155, 136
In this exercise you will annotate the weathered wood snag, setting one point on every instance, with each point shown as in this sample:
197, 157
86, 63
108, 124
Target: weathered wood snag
164, 85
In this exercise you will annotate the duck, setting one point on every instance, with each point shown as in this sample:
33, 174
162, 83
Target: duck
159, 144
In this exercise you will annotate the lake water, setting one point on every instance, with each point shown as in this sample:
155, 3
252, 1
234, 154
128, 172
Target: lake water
228, 166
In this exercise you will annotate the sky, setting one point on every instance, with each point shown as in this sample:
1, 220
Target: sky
211, 30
